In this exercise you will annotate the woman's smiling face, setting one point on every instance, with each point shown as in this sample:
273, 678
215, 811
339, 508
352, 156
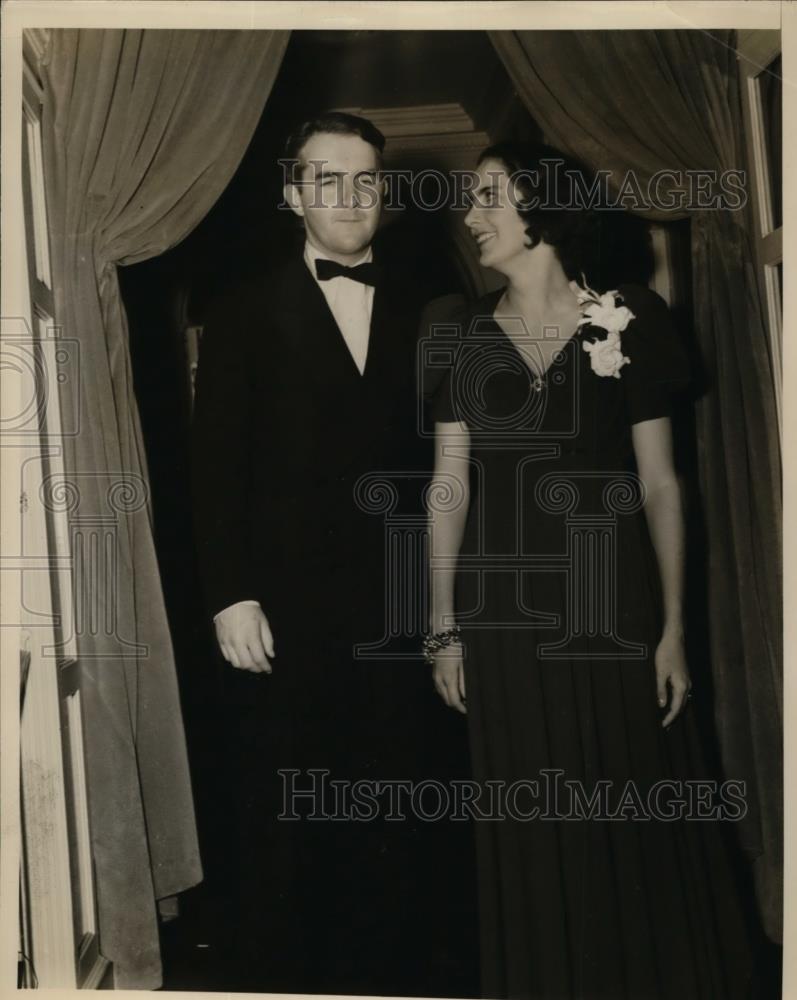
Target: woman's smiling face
493, 219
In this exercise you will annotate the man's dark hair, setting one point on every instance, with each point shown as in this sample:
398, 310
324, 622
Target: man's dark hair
335, 123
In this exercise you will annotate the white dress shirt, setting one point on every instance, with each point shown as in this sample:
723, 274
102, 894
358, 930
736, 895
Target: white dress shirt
351, 303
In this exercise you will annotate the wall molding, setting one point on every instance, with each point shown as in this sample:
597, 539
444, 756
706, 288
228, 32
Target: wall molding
426, 128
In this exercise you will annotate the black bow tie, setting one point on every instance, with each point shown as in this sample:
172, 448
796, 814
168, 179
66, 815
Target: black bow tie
367, 274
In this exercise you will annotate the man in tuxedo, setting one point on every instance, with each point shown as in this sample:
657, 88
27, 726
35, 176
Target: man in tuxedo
306, 383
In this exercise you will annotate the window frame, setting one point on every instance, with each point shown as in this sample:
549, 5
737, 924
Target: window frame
60, 907
757, 49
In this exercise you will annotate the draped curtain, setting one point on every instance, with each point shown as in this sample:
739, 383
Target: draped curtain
647, 101
142, 130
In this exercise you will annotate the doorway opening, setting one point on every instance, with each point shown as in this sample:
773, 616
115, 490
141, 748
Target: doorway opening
439, 98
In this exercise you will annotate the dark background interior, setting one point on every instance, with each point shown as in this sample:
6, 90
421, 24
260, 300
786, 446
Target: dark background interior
244, 233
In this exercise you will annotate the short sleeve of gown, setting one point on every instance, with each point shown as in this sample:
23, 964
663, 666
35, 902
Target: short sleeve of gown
447, 314
442, 408
658, 363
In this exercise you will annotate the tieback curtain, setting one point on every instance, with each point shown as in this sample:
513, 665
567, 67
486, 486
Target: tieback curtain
646, 101
142, 131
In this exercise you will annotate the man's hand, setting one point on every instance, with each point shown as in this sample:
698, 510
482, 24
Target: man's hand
245, 638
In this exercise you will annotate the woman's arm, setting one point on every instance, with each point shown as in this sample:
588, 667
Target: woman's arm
652, 441
449, 497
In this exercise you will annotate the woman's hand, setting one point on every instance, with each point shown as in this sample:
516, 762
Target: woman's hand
449, 676
672, 672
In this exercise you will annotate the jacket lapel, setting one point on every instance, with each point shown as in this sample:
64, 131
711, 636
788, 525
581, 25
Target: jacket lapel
351, 412
311, 327
321, 350
389, 336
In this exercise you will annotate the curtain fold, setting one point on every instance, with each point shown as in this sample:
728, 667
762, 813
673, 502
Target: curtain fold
142, 130
648, 101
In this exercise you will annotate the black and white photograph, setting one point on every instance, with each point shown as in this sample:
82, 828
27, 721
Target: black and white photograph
394, 449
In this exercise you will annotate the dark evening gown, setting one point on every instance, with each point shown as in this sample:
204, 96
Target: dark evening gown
558, 599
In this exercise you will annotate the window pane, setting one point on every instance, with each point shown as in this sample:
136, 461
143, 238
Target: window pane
84, 890
771, 84
40, 236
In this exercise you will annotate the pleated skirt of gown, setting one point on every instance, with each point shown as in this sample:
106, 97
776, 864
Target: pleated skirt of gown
594, 908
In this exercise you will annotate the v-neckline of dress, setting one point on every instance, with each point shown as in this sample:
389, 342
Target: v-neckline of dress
539, 377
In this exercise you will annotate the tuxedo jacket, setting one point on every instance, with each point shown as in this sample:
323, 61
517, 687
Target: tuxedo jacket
284, 427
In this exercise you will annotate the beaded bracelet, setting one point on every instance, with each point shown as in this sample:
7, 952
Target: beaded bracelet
439, 640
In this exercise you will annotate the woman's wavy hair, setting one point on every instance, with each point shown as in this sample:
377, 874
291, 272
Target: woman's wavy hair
564, 205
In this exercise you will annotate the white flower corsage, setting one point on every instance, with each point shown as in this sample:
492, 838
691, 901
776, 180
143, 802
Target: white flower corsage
606, 356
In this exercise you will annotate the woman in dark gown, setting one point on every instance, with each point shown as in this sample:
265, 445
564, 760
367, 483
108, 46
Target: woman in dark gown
555, 497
